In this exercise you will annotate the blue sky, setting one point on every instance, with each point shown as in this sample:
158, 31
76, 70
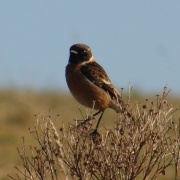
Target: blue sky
135, 41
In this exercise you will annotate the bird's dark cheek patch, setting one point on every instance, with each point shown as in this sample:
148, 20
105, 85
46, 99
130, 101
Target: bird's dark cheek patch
73, 60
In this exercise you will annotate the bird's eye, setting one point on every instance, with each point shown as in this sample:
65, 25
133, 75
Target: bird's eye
84, 52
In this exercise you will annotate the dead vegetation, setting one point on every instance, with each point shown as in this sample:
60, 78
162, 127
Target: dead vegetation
142, 147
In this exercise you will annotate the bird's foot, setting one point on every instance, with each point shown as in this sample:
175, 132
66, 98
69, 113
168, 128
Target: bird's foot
94, 133
86, 121
95, 136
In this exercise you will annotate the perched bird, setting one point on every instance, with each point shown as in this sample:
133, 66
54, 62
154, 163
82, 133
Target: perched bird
89, 83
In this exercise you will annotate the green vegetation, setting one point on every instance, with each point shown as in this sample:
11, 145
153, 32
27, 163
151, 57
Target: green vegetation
19, 111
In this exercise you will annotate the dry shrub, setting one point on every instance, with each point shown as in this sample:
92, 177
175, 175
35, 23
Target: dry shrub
142, 146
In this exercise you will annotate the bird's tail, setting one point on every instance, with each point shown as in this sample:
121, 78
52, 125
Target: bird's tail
120, 107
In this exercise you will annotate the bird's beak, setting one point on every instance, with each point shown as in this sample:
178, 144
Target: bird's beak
74, 52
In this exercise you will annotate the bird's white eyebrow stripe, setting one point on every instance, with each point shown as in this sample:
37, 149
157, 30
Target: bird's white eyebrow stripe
72, 51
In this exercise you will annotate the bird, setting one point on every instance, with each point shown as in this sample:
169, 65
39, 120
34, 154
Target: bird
89, 83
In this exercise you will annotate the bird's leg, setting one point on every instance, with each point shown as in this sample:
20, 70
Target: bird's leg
102, 112
97, 125
97, 113
89, 118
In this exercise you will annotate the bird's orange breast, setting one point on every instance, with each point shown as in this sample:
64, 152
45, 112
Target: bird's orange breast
84, 91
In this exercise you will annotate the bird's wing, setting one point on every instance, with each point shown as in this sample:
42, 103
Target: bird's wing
97, 75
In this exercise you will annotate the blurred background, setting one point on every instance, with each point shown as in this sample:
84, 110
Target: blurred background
136, 42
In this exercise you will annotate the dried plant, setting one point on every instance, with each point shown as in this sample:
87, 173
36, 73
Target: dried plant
138, 147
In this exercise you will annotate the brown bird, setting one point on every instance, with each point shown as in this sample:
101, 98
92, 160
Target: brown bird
89, 83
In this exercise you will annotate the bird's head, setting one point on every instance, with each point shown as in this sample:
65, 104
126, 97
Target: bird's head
80, 53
